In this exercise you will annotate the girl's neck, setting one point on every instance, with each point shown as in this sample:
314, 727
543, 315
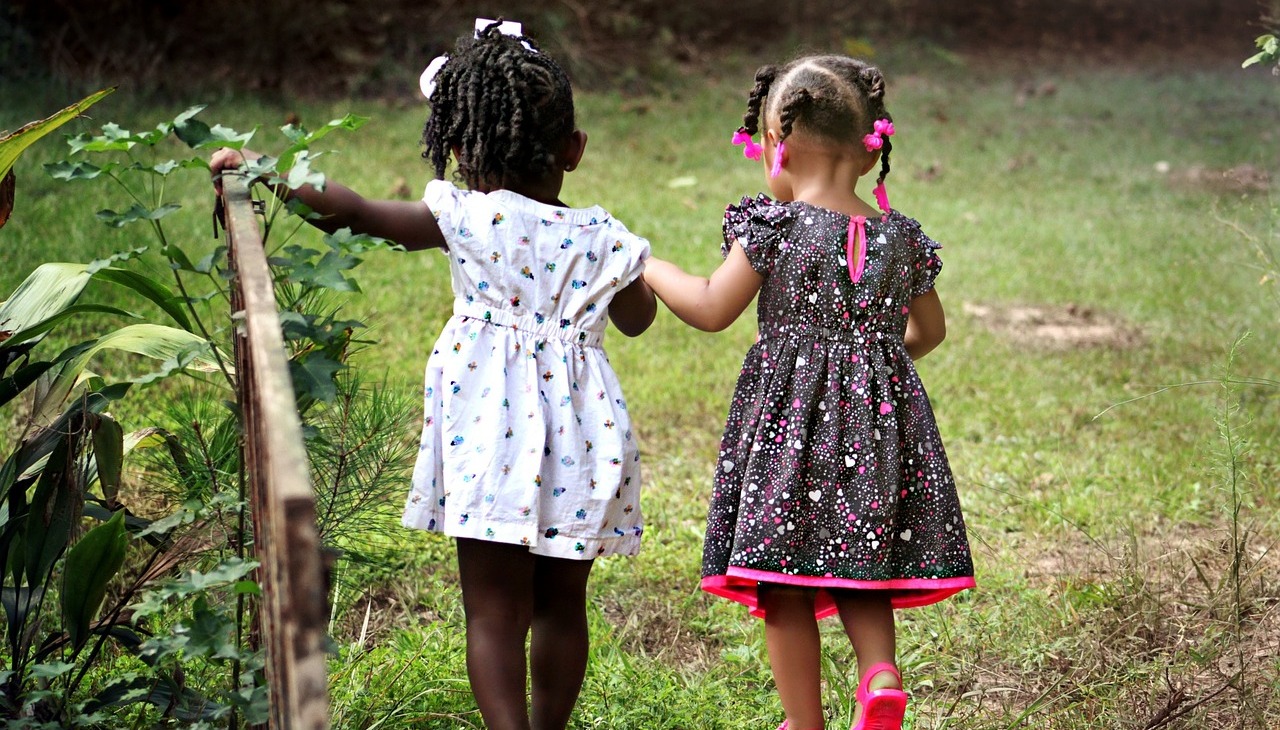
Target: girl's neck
545, 191
828, 179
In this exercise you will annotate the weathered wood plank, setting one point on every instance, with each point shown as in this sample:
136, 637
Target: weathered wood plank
286, 541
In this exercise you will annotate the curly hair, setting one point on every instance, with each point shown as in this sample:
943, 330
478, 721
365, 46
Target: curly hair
503, 105
835, 98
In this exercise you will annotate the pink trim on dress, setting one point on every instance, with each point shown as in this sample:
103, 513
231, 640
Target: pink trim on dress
740, 586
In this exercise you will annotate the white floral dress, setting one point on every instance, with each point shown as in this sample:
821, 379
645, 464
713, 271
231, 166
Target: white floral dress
526, 437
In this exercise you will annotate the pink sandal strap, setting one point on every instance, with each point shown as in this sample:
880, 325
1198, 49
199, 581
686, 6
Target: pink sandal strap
864, 687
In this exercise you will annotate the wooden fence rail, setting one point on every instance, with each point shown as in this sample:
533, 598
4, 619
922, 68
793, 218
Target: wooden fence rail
287, 545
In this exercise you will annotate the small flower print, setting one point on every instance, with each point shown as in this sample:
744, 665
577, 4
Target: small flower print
579, 547
551, 532
524, 240
526, 273
515, 301
457, 441
483, 286
592, 257
557, 491
497, 218
551, 266
567, 243
547, 376
617, 246
567, 461
577, 283
580, 514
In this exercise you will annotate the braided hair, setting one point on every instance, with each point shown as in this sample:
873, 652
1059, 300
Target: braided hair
504, 106
834, 98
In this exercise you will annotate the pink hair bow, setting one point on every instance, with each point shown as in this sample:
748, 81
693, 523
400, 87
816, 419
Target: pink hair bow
874, 141
751, 150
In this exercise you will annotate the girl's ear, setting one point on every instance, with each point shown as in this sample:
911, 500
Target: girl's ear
574, 149
872, 161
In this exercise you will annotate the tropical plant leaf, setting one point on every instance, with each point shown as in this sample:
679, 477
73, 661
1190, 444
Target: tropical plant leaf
108, 457
46, 291
55, 506
136, 213
90, 565
13, 145
151, 289
155, 341
8, 188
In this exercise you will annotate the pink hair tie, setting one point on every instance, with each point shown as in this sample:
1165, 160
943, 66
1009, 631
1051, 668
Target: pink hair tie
750, 149
882, 197
777, 160
874, 141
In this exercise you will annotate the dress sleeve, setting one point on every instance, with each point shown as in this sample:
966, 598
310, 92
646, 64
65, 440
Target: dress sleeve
445, 201
757, 225
926, 264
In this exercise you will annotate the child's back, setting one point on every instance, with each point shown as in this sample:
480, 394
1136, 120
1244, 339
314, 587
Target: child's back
526, 438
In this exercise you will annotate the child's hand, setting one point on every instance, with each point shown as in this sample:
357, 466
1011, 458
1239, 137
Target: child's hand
227, 159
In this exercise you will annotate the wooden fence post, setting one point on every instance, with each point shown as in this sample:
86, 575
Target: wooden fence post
292, 616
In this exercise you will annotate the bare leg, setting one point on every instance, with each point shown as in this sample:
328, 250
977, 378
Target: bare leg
558, 650
497, 596
791, 632
868, 621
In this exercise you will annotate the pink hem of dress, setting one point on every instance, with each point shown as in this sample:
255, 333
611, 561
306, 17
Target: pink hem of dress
740, 586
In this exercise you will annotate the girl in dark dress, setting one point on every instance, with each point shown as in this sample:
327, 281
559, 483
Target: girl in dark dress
832, 492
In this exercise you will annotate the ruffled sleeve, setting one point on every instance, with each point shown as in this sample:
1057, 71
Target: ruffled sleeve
925, 262
758, 225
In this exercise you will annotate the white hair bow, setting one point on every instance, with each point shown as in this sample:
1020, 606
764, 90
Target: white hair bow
427, 82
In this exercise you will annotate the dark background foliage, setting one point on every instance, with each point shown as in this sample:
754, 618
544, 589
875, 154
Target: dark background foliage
325, 47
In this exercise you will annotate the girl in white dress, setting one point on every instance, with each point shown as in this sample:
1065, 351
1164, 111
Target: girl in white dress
527, 456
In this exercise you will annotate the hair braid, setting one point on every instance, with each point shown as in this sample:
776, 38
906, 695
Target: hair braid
798, 99
764, 79
873, 83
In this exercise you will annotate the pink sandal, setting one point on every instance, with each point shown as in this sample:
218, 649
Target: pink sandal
882, 709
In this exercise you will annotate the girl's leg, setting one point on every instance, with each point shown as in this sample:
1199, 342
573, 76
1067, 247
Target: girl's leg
868, 621
791, 633
558, 649
497, 595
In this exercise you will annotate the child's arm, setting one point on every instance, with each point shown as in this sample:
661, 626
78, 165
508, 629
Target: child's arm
633, 308
706, 304
405, 222
926, 325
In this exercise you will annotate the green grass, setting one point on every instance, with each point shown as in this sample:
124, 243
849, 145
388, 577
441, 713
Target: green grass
1089, 528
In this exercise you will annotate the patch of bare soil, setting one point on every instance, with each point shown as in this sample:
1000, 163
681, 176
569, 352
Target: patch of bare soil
1244, 178
1056, 327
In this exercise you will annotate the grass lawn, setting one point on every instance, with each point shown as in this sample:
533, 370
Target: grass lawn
1101, 231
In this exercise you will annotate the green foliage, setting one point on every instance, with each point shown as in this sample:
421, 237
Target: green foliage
1269, 53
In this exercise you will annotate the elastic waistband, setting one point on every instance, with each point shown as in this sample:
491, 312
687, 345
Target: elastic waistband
529, 324
805, 331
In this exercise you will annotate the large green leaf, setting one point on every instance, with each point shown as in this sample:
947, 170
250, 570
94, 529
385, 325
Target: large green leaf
45, 298
55, 506
90, 565
13, 145
48, 290
155, 341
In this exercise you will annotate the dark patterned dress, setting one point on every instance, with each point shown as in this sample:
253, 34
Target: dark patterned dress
831, 471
